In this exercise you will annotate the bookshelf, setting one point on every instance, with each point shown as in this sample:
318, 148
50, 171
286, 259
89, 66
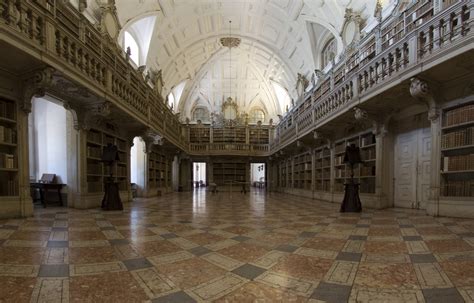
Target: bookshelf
8, 149
259, 135
199, 134
229, 135
457, 151
322, 168
96, 172
283, 173
364, 173
159, 170
302, 171
227, 172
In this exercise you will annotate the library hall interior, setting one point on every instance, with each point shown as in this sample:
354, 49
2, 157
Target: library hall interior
189, 151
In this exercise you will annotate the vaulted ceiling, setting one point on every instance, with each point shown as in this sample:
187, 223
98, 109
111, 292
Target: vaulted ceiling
279, 38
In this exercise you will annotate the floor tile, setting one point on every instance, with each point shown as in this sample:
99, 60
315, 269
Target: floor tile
116, 287
332, 293
348, 256
134, 264
391, 276
57, 244
286, 248
311, 268
191, 272
169, 236
422, 258
249, 271
199, 251
177, 297
442, 295
258, 292
16, 289
241, 238
119, 242
55, 270
412, 238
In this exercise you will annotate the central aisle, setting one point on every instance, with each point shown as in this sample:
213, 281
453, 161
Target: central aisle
188, 247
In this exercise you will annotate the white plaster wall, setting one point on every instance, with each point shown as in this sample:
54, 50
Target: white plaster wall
255, 174
200, 173
137, 162
50, 143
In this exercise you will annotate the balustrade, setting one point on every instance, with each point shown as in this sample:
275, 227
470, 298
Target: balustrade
57, 30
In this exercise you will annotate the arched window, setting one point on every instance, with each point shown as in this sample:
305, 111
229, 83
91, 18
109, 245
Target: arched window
171, 101
256, 115
129, 41
201, 114
329, 52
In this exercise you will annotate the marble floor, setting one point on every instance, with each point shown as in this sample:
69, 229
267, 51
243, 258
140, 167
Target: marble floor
199, 247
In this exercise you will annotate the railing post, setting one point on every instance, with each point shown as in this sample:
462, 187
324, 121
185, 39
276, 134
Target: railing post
413, 49
437, 6
50, 37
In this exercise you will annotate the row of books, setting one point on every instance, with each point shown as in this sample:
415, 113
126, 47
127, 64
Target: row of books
323, 153
459, 115
95, 152
94, 168
121, 171
7, 160
323, 162
368, 140
323, 185
458, 163
367, 186
7, 135
94, 187
121, 145
94, 137
324, 175
367, 170
458, 138
7, 110
8, 188
367, 154
340, 148
339, 160
459, 188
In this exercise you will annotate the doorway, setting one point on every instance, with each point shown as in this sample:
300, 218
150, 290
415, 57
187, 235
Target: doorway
137, 167
413, 165
52, 152
257, 175
199, 175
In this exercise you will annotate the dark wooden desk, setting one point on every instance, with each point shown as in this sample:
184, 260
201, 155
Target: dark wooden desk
45, 187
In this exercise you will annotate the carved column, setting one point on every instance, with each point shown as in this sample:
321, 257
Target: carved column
421, 91
33, 86
384, 150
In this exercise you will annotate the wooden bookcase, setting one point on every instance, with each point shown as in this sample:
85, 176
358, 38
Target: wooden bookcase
159, 170
199, 134
226, 173
283, 174
457, 151
229, 135
96, 171
259, 135
8, 149
364, 173
302, 171
322, 168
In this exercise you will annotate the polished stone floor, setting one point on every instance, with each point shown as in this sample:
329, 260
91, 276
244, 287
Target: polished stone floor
198, 247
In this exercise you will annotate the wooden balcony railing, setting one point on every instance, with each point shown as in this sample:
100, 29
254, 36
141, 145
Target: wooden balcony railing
60, 36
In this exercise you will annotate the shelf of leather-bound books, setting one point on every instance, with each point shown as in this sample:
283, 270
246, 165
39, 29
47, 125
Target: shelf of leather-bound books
457, 151
8, 149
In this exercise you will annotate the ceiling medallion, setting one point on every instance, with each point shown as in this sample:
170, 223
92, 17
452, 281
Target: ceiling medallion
230, 42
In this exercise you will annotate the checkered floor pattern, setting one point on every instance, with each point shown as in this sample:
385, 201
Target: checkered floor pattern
199, 247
